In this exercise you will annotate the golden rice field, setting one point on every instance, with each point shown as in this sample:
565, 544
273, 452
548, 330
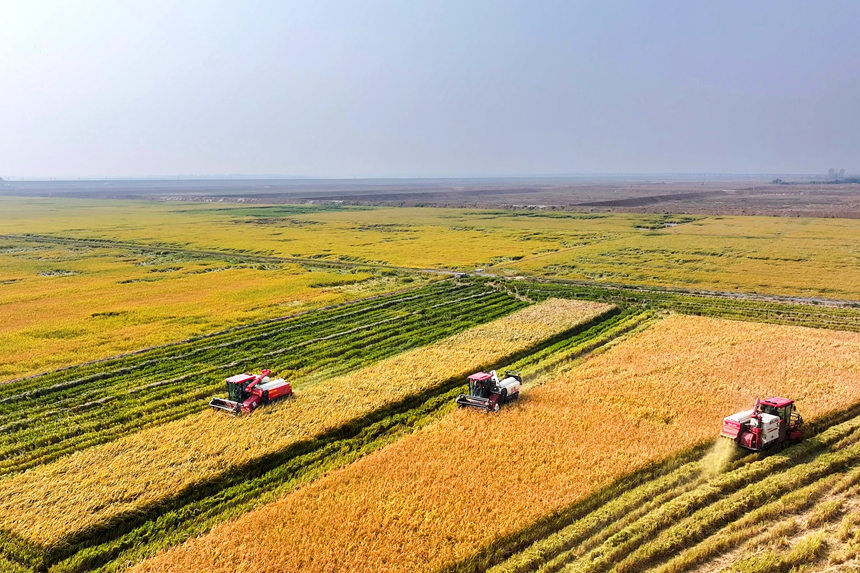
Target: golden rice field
778, 255
113, 300
85, 279
439, 495
50, 502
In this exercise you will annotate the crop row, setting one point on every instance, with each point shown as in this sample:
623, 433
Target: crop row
197, 517
46, 417
818, 316
103, 492
434, 498
342, 313
71, 410
558, 355
687, 512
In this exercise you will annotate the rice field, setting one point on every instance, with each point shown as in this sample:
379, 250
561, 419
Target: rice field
756, 514
120, 320
61, 412
87, 279
53, 501
64, 303
436, 499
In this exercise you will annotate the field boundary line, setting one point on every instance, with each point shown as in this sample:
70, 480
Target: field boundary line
700, 293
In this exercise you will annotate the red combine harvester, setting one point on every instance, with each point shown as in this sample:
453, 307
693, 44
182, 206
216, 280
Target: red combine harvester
246, 391
488, 392
770, 422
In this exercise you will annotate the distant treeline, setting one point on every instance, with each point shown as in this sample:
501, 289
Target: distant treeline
826, 182
835, 181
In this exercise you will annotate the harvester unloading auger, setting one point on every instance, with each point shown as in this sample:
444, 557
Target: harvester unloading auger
247, 391
770, 422
488, 392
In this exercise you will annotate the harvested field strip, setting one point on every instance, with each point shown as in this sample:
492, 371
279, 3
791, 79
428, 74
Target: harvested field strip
688, 518
173, 401
701, 515
255, 331
259, 334
56, 503
834, 318
424, 502
72, 410
197, 517
308, 317
825, 539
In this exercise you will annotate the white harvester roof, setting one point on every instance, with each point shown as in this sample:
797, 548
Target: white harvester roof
741, 417
271, 384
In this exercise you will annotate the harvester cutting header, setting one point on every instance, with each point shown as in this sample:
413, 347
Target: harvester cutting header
770, 422
247, 391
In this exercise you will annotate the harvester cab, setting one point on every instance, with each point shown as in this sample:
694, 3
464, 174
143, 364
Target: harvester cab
770, 422
245, 392
488, 392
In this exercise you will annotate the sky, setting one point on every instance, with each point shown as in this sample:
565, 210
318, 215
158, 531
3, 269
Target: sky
427, 89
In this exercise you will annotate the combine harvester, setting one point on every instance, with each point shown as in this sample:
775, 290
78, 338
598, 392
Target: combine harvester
488, 392
245, 392
770, 422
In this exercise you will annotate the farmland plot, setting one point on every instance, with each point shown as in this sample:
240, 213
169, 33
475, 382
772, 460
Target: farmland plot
66, 303
82, 490
471, 483
61, 412
186, 518
685, 516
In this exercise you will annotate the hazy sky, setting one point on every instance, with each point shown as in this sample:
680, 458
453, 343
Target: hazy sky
407, 88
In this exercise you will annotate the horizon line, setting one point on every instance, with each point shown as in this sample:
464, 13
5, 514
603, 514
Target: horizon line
266, 176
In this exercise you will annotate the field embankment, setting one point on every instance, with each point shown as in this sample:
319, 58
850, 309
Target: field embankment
470, 482
105, 485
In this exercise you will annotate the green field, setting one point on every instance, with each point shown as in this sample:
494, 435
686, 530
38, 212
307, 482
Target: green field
79, 407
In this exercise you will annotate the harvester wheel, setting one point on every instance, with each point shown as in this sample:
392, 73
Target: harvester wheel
496, 407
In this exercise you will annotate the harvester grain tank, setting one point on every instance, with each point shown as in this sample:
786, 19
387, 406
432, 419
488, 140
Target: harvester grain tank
489, 392
770, 422
245, 392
